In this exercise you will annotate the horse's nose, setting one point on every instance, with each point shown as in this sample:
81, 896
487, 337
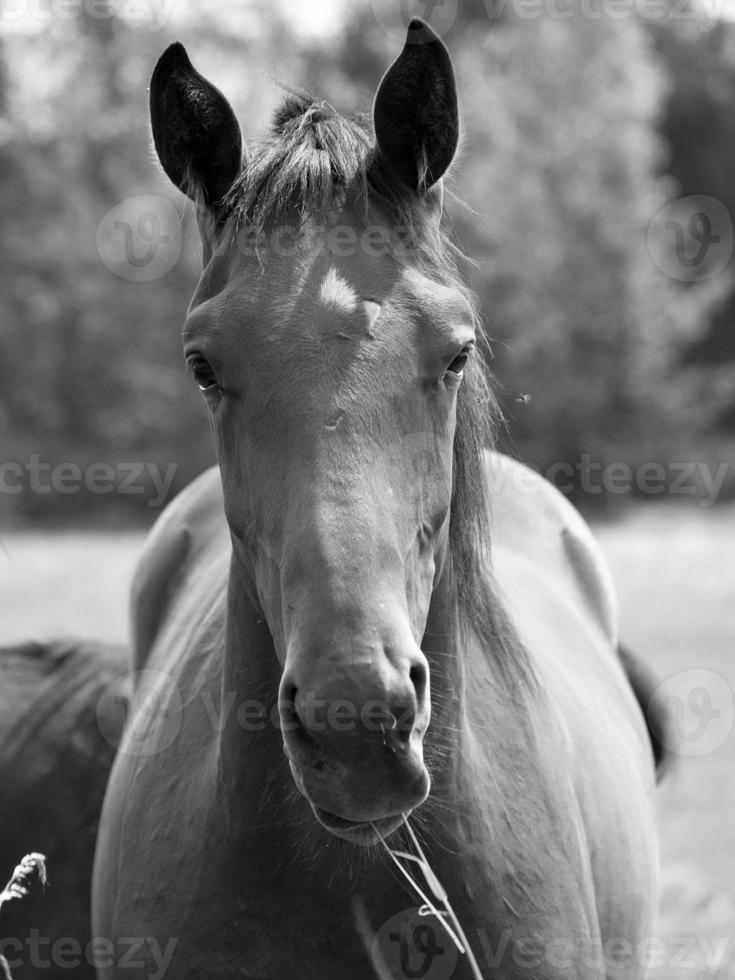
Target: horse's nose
359, 723
374, 702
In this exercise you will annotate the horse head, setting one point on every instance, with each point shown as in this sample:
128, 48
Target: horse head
329, 335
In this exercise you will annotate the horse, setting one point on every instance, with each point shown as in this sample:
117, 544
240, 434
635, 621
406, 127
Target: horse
59, 729
365, 627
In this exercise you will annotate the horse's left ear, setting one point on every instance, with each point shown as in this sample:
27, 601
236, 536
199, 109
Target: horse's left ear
415, 111
195, 132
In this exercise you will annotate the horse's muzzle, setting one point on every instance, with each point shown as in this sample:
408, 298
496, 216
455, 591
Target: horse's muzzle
335, 809
355, 746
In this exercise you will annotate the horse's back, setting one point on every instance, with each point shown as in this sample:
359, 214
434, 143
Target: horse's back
57, 743
558, 590
534, 525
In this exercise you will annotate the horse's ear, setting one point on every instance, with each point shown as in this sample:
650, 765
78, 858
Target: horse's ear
195, 132
415, 111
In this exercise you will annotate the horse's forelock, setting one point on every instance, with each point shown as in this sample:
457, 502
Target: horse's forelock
314, 160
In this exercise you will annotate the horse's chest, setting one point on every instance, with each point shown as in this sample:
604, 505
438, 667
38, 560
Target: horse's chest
209, 906
230, 918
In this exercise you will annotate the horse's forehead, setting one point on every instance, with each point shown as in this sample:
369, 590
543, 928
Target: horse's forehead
337, 292
321, 292
334, 289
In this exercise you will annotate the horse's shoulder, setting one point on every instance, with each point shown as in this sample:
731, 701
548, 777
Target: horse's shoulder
192, 523
530, 516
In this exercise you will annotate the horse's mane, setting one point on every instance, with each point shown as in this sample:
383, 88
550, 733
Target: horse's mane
315, 161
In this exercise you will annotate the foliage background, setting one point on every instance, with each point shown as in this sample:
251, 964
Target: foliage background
578, 130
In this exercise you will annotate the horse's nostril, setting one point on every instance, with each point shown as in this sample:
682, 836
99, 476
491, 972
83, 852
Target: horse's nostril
288, 692
404, 720
418, 676
402, 733
287, 702
293, 726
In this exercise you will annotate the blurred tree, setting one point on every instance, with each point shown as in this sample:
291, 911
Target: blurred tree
560, 174
698, 127
79, 340
91, 361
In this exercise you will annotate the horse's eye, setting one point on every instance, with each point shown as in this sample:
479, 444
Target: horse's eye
460, 361
202, 371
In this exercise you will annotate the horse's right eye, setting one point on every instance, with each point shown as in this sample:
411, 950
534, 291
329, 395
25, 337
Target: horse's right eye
202, 372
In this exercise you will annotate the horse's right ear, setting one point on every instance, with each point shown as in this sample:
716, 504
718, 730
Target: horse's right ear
195, 132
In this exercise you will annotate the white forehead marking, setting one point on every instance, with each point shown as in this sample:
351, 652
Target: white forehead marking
371, 310
334, 291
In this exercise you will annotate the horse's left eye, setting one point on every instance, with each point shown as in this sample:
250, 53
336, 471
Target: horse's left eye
460, 361
203, 372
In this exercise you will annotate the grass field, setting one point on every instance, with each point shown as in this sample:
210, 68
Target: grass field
675, 571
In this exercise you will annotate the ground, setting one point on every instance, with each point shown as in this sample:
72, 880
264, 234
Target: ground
675, 575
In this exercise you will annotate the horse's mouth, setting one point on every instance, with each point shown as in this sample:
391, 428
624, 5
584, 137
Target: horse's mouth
363, 833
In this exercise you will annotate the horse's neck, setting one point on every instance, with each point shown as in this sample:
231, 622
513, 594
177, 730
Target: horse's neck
250, 742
